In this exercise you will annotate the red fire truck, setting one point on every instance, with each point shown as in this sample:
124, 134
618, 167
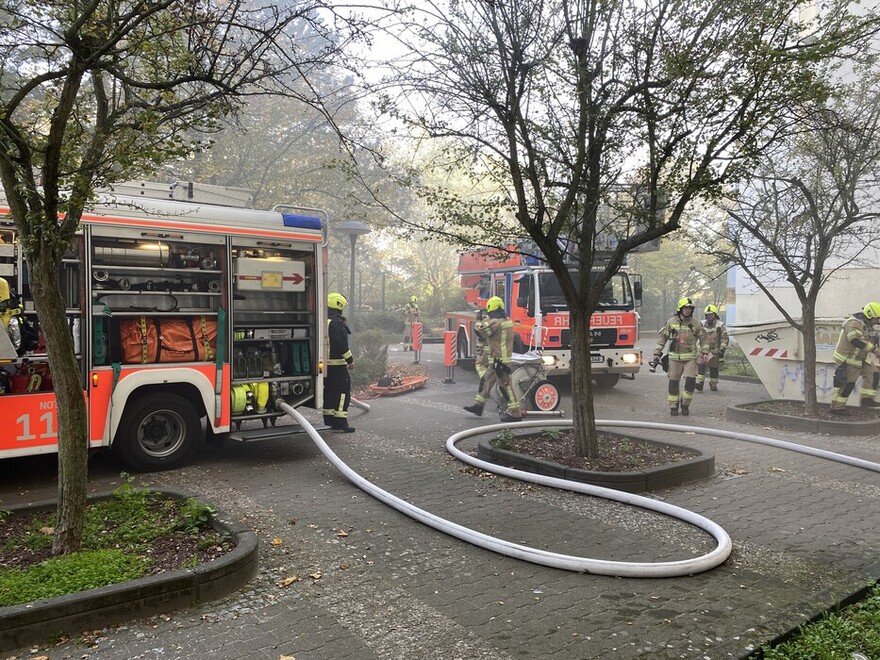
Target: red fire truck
535, 303
185, 305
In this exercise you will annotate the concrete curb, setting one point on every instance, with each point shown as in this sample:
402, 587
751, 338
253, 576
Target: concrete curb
804, 424
28, 623
702, 466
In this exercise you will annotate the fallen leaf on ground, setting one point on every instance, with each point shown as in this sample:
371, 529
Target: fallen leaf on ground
341, 533
286, 582
317, 575
48, 531
277, 541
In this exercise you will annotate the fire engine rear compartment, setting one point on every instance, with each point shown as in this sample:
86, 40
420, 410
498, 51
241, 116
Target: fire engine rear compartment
197, 311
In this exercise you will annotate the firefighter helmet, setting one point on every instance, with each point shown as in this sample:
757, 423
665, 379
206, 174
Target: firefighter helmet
5, 298
336, 301
711, 309
414, 299
871, 310
494, 303
684, 302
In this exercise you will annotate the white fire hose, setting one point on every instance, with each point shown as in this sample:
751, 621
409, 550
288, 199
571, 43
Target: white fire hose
569, 562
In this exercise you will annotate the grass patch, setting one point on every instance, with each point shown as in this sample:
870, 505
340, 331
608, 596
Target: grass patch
839, 635
132, 534
68, 574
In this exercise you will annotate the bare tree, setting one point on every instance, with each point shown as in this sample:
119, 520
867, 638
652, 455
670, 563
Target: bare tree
810, 209
565, 108
676, 270
93, 92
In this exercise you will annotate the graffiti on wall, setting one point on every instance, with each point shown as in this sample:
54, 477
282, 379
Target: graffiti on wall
792, 376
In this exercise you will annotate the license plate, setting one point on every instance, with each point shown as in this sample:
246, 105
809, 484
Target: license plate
596, 358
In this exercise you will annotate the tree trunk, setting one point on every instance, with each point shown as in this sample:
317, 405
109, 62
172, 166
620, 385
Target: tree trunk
808, 312
584, 412
70, 404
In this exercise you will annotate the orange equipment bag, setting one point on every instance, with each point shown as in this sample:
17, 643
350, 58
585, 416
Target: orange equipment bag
168, 340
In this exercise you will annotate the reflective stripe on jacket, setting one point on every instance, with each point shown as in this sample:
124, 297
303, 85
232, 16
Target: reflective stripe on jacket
499, 332
685, 338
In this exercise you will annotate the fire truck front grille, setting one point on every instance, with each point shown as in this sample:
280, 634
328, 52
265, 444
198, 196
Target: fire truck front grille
599, 337
603, 336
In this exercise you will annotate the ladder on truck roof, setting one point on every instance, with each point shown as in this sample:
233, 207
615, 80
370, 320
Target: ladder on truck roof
185, 191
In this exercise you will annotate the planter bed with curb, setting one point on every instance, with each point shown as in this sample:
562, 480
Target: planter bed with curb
750, 413
701, 466
36, 621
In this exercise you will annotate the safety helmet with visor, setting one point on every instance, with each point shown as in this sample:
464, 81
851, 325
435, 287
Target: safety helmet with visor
684, 302
494, 303
872, 311
336, 301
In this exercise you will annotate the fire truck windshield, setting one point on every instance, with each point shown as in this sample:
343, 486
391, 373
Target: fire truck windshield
617, 294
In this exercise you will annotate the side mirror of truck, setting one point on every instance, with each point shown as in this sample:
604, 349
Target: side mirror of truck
637, 289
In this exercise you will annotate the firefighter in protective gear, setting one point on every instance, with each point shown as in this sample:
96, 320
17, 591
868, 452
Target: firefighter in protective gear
481, 345
716, 342
686, 341
855, 355
337, 381
10, 315
410, 316
499, 336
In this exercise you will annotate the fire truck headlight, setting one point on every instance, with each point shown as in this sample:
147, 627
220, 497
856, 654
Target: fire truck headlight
548, 360
630, 358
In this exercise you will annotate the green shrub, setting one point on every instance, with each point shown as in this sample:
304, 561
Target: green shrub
193, 515
504, 440
736, 363
68, 574
552, 434
370, 351
390, 322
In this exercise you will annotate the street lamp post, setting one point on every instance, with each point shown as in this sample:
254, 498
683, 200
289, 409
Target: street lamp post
353, 229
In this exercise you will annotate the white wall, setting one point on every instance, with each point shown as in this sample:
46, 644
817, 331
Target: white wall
847, 292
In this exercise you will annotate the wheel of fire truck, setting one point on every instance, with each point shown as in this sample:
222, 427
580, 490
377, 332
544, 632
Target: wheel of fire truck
606, 381
543, 396
157, 432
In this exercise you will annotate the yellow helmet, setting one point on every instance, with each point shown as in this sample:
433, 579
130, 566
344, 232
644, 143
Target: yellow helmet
4, 293
336, 301
414, 299
871, 310
684, 302
711, 309
494, 303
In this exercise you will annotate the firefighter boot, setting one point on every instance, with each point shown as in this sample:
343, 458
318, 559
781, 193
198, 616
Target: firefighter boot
713, 387
674, 410
476, 408
868, 402
699, 385
685, 410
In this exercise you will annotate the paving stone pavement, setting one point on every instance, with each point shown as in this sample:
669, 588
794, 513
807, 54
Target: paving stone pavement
373, 583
